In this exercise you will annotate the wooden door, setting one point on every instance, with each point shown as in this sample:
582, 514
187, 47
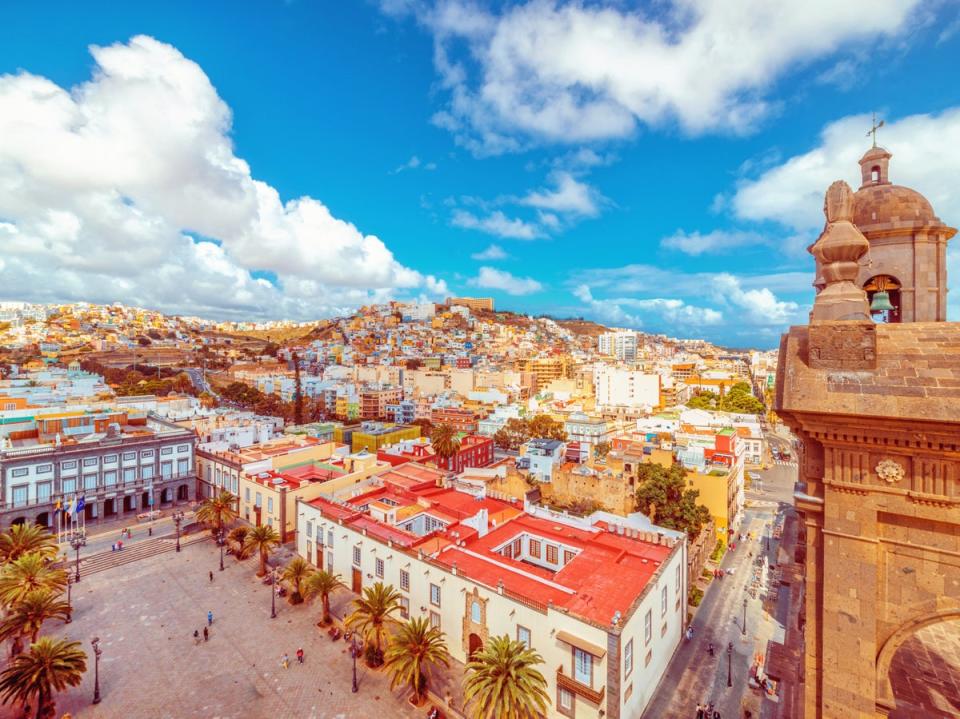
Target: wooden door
357, 581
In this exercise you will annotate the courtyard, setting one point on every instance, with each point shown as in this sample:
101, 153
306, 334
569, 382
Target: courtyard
145, 614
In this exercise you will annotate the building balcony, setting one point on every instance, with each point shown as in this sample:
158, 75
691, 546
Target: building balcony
567, 682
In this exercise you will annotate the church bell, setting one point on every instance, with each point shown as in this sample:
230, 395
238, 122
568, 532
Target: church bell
881, 301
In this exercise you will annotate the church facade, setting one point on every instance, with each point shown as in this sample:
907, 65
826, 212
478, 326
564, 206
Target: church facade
876, 407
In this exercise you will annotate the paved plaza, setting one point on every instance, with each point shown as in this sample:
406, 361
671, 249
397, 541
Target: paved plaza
145, 614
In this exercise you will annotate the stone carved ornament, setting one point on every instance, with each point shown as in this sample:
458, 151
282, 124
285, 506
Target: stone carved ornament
889, 471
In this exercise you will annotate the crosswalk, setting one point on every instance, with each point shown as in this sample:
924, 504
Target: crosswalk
785, 463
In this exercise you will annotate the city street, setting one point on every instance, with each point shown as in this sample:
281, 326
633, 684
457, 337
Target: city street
693, 675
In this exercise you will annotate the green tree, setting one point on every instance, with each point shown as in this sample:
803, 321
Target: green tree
372, 615
296, 573
238, 535
674, 506
218, 511
513, 433
26, 617
601, 450
703, 399
50, 666
261, 539
28, 573
502, 681
412, 648
445, 441
25, 538
322, 584
544, 426
740, 399
425, 425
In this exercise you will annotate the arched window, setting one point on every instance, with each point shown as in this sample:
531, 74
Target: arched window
875, 173
475, 612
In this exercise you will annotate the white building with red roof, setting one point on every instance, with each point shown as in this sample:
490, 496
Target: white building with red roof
602, 598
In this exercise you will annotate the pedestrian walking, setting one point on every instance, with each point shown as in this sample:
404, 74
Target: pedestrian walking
119, 546
699, 710
716, 714
113, 547
285, 661
206, 634
300, 655
210, 618
149, 531
211, 575
196, 636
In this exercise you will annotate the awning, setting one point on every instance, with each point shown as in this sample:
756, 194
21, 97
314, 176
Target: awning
579, 643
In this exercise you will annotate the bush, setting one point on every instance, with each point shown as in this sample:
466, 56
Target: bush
718, 551
706, 574
694, 596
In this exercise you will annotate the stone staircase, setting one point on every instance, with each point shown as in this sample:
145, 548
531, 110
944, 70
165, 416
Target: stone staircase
132, 553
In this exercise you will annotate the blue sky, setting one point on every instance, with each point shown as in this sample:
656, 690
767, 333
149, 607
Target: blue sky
658, 166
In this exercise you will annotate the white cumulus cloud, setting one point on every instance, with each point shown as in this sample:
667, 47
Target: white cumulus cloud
493, 252
126, 188
497, 223
493, 279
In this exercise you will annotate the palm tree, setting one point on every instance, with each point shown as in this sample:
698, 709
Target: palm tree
372, 614
297, 572
323, 583
238, 535
415, 645
502, 682
27, 616
218, 511
260, 539
22, 539
445, 441
50, 666
29, 572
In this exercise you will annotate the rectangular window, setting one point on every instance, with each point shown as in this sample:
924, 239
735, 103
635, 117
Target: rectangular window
146, 471
568, 555
628, 659
678, 580
19, 472
43, 491
19, 495
330, 562
435, 620
378, 568
356, 556
183, 447
330, 538
71, 464
565, 699
435, 595
646, 659
648, 627
583, 667
523, 636
246, 494
90, 481
310, 529
404, 607
258, 500
127, 456
183, 466
551, 554
109, 478
270, 505
517, 547
91, 461
130, 474
44, 469
109, 458
663, 602
405, 580
146, 454
535, 548
166, 450
69, 485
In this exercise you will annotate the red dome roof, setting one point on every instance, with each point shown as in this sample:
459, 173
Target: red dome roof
885, 203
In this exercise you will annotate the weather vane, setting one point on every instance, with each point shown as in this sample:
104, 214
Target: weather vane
874, 128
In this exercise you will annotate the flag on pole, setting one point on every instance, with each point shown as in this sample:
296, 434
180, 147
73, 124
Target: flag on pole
57, 508
68, 507
81, 503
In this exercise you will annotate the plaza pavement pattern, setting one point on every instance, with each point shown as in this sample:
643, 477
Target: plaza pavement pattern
145, 614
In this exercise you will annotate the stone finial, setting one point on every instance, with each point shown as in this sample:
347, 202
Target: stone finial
838, 250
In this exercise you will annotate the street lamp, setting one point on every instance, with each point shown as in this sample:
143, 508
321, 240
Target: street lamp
76, 542
743, 628
354, 652
222, 542
69, 603
97, 651
729, 659
273, 594
177, 519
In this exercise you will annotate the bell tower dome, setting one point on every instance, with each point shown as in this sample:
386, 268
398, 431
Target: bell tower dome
874, 167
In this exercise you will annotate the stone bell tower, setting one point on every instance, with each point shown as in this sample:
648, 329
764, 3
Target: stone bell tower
908, 244
874, 406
